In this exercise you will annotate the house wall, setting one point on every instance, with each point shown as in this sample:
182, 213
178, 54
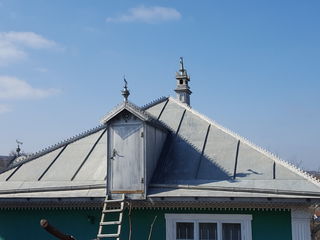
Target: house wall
83, 224
25, 224
155, 139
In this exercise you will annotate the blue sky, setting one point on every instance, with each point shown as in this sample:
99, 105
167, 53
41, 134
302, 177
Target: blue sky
254, 67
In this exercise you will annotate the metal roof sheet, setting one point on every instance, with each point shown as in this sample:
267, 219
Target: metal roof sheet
95, 167
32, 170
179, 193
71, 158
171, 116
201, 151
197, 152
6, 174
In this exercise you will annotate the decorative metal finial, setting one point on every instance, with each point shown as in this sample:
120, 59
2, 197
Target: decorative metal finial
125, 82
18, 149
125, 92
181, 64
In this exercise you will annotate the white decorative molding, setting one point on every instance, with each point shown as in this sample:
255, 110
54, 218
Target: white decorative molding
243, 219
300, 224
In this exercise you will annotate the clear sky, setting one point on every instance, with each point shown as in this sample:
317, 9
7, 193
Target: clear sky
254, 66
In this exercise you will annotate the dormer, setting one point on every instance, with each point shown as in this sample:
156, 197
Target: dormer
134, 144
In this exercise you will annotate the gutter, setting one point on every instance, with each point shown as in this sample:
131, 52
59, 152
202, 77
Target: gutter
54, 189
236, 189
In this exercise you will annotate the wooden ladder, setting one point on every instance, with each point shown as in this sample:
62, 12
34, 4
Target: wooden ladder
104, 223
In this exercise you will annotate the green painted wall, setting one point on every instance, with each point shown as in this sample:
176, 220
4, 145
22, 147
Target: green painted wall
83, 224
25, 224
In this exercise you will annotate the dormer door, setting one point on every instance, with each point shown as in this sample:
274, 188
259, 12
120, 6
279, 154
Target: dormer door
126, 158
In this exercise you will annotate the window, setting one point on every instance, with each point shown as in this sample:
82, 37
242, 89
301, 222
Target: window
208, 227
184, 230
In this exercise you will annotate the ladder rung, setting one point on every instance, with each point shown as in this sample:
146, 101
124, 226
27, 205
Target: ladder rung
121, 204
113, 210
118, 231
113, 235
110, 223
116, 222
113, 200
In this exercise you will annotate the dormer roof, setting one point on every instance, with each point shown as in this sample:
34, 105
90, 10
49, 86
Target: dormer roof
132, 108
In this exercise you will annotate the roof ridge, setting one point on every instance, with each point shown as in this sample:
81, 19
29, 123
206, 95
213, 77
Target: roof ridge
139, 109
113, 110
154, 102
130, 106
260, 149
134, 109
56, 146
150, 118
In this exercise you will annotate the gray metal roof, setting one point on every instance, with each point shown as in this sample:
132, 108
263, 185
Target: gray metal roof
73, 168
199, 158
203, 154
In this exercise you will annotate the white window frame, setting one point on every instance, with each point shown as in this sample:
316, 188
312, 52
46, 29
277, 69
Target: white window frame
243, 219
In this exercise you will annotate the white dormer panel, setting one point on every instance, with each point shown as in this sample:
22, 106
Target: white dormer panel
134, 147
126, 155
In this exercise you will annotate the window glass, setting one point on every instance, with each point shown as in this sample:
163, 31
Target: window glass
231, 231
207, 231
185, 230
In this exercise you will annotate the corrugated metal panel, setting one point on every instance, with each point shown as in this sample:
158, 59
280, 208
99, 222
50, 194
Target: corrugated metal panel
95, 168
220, 151
282, 172
155, 110
71, 158
6, 174
155, 139
7, 186
194, 130
32, 170
287, 187
59, 194
220, 160
48, 185
181, 162
252, 164
183, 193
171, 115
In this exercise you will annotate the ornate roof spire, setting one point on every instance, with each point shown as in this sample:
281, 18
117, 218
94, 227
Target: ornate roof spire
183, 89
125, 92
18, 149
181, 65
